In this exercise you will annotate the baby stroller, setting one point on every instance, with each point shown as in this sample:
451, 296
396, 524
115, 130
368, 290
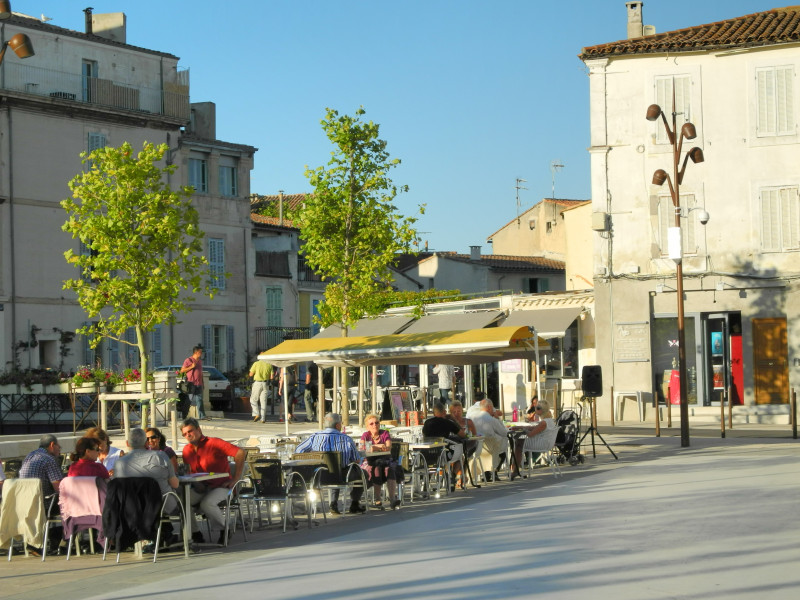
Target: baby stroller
567, 444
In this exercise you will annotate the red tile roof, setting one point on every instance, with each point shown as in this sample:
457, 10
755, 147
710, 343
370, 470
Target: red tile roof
293, 201
271, 221
776, 26
501, 262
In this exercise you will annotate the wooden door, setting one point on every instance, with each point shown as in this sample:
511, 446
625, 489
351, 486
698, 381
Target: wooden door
770, 361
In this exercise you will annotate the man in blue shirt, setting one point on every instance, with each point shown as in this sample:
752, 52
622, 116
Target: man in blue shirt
331, 439
42, 464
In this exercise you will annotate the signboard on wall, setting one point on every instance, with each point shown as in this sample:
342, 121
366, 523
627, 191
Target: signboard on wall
513, 365
632, 342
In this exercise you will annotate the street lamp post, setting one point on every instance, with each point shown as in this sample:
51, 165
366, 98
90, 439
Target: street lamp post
19, 43
675, 242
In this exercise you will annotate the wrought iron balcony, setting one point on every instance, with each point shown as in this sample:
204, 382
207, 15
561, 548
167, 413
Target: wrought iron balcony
172, 100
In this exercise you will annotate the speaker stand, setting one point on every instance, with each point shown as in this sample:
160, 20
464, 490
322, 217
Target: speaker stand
593, 430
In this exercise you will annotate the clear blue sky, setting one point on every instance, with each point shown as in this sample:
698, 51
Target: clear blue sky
470, 94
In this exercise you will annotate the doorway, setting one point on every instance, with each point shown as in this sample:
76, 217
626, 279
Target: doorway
722, 358
770, 361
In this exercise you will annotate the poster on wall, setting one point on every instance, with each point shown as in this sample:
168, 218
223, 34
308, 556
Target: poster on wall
632, 342
716, 343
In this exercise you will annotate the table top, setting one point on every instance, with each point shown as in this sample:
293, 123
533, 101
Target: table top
376, 453
192, 477
300, 462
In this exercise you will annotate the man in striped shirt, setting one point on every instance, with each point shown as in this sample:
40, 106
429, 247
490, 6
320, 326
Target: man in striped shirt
331, 439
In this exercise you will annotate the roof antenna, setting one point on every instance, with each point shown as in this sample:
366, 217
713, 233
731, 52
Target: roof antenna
518, 187
555, 167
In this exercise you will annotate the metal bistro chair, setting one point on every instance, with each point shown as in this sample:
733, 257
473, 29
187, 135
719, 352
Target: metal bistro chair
272, 485
335, 476
26, 512
438, 469
163, 518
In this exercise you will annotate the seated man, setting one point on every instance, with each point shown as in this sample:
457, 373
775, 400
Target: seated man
331, 439
210, 455
140, 462
43, 464
475, 409
495, 434
440, 426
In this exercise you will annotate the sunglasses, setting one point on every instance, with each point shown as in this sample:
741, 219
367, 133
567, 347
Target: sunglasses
153, 437
538, 408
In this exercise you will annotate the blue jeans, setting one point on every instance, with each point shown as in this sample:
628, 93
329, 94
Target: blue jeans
196, 397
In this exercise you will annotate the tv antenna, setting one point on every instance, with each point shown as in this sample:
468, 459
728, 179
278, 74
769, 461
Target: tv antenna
518, 187
555, 167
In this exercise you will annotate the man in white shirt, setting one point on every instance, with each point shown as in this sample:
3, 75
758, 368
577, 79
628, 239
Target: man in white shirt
445, 374
495, 434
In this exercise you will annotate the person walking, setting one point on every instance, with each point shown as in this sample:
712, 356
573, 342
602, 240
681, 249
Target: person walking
193, 370
261, 372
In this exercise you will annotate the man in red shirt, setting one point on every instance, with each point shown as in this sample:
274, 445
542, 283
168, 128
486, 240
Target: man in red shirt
203, 454
193, 369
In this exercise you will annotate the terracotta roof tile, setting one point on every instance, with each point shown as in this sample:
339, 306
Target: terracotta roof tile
271, 221
293, 201
500, 262
775, 26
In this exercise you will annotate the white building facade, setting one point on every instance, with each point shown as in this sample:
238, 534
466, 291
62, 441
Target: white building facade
737, 83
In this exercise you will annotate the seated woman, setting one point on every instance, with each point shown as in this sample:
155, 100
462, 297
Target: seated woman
382, 469
158, 441
457, 416
531, 416
84, 459
108, 455
544, 422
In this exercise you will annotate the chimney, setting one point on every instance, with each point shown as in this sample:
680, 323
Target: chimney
280, 207
475, 253
635, 27
88, 19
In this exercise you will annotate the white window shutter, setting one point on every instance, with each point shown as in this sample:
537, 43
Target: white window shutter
770, 220
784, 112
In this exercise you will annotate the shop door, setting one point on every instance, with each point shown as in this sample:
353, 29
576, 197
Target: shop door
770, 361
722, 351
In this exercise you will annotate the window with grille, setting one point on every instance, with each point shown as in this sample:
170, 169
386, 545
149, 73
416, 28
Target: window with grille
775, 101
198, 174
216, 262
780, 219
683, 104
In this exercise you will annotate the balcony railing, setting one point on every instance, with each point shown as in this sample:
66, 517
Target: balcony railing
306, 276
269, 337
171, 101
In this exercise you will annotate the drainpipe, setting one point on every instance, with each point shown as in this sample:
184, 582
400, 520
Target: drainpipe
12, 257
280, 208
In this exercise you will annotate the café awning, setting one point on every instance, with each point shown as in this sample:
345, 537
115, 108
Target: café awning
548, 322
433, 323
473, 346
368, 327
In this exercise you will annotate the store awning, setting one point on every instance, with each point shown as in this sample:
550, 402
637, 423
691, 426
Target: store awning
548, 322
473, 346
454, 321
368, 327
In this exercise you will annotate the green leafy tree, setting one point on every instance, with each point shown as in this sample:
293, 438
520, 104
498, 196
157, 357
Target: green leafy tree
350, 225
144, 255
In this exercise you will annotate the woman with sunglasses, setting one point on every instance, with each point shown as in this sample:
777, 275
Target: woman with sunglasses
544, 422
84, 459
158, 441
381, 470
532, 416
108, 455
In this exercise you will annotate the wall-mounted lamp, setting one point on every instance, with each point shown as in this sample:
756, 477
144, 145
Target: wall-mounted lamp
662, 287
721, 286
532, 223
584, 313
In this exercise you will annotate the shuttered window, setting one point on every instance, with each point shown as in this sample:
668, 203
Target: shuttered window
774, 96
780, 219
227, 181
198, 175
216, 262
683, 105
666, 219
274, 306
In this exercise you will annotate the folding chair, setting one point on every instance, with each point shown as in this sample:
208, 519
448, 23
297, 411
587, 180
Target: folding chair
543, 444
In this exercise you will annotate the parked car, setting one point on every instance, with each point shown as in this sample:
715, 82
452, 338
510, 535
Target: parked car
220, 390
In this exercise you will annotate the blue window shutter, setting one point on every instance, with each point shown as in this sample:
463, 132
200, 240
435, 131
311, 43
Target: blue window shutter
113, 354
155, 346
229, 340
88, 351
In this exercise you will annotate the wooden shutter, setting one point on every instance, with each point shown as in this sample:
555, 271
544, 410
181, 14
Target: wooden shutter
230, 346
770, 220
208, 345
155, 346
683, 105
775, 98
216, 260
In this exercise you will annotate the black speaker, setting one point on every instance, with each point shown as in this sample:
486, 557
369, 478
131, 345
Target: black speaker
592, 381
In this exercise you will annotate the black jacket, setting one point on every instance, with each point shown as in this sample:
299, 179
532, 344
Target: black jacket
131, 510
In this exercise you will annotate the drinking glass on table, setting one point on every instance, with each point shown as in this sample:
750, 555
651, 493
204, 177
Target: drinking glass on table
368, 446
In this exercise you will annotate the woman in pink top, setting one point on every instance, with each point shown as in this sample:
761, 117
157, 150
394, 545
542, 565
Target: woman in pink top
381, 470
84, 459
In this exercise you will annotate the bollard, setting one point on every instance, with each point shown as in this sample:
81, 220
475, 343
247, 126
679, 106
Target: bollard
722, 417
793, 411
